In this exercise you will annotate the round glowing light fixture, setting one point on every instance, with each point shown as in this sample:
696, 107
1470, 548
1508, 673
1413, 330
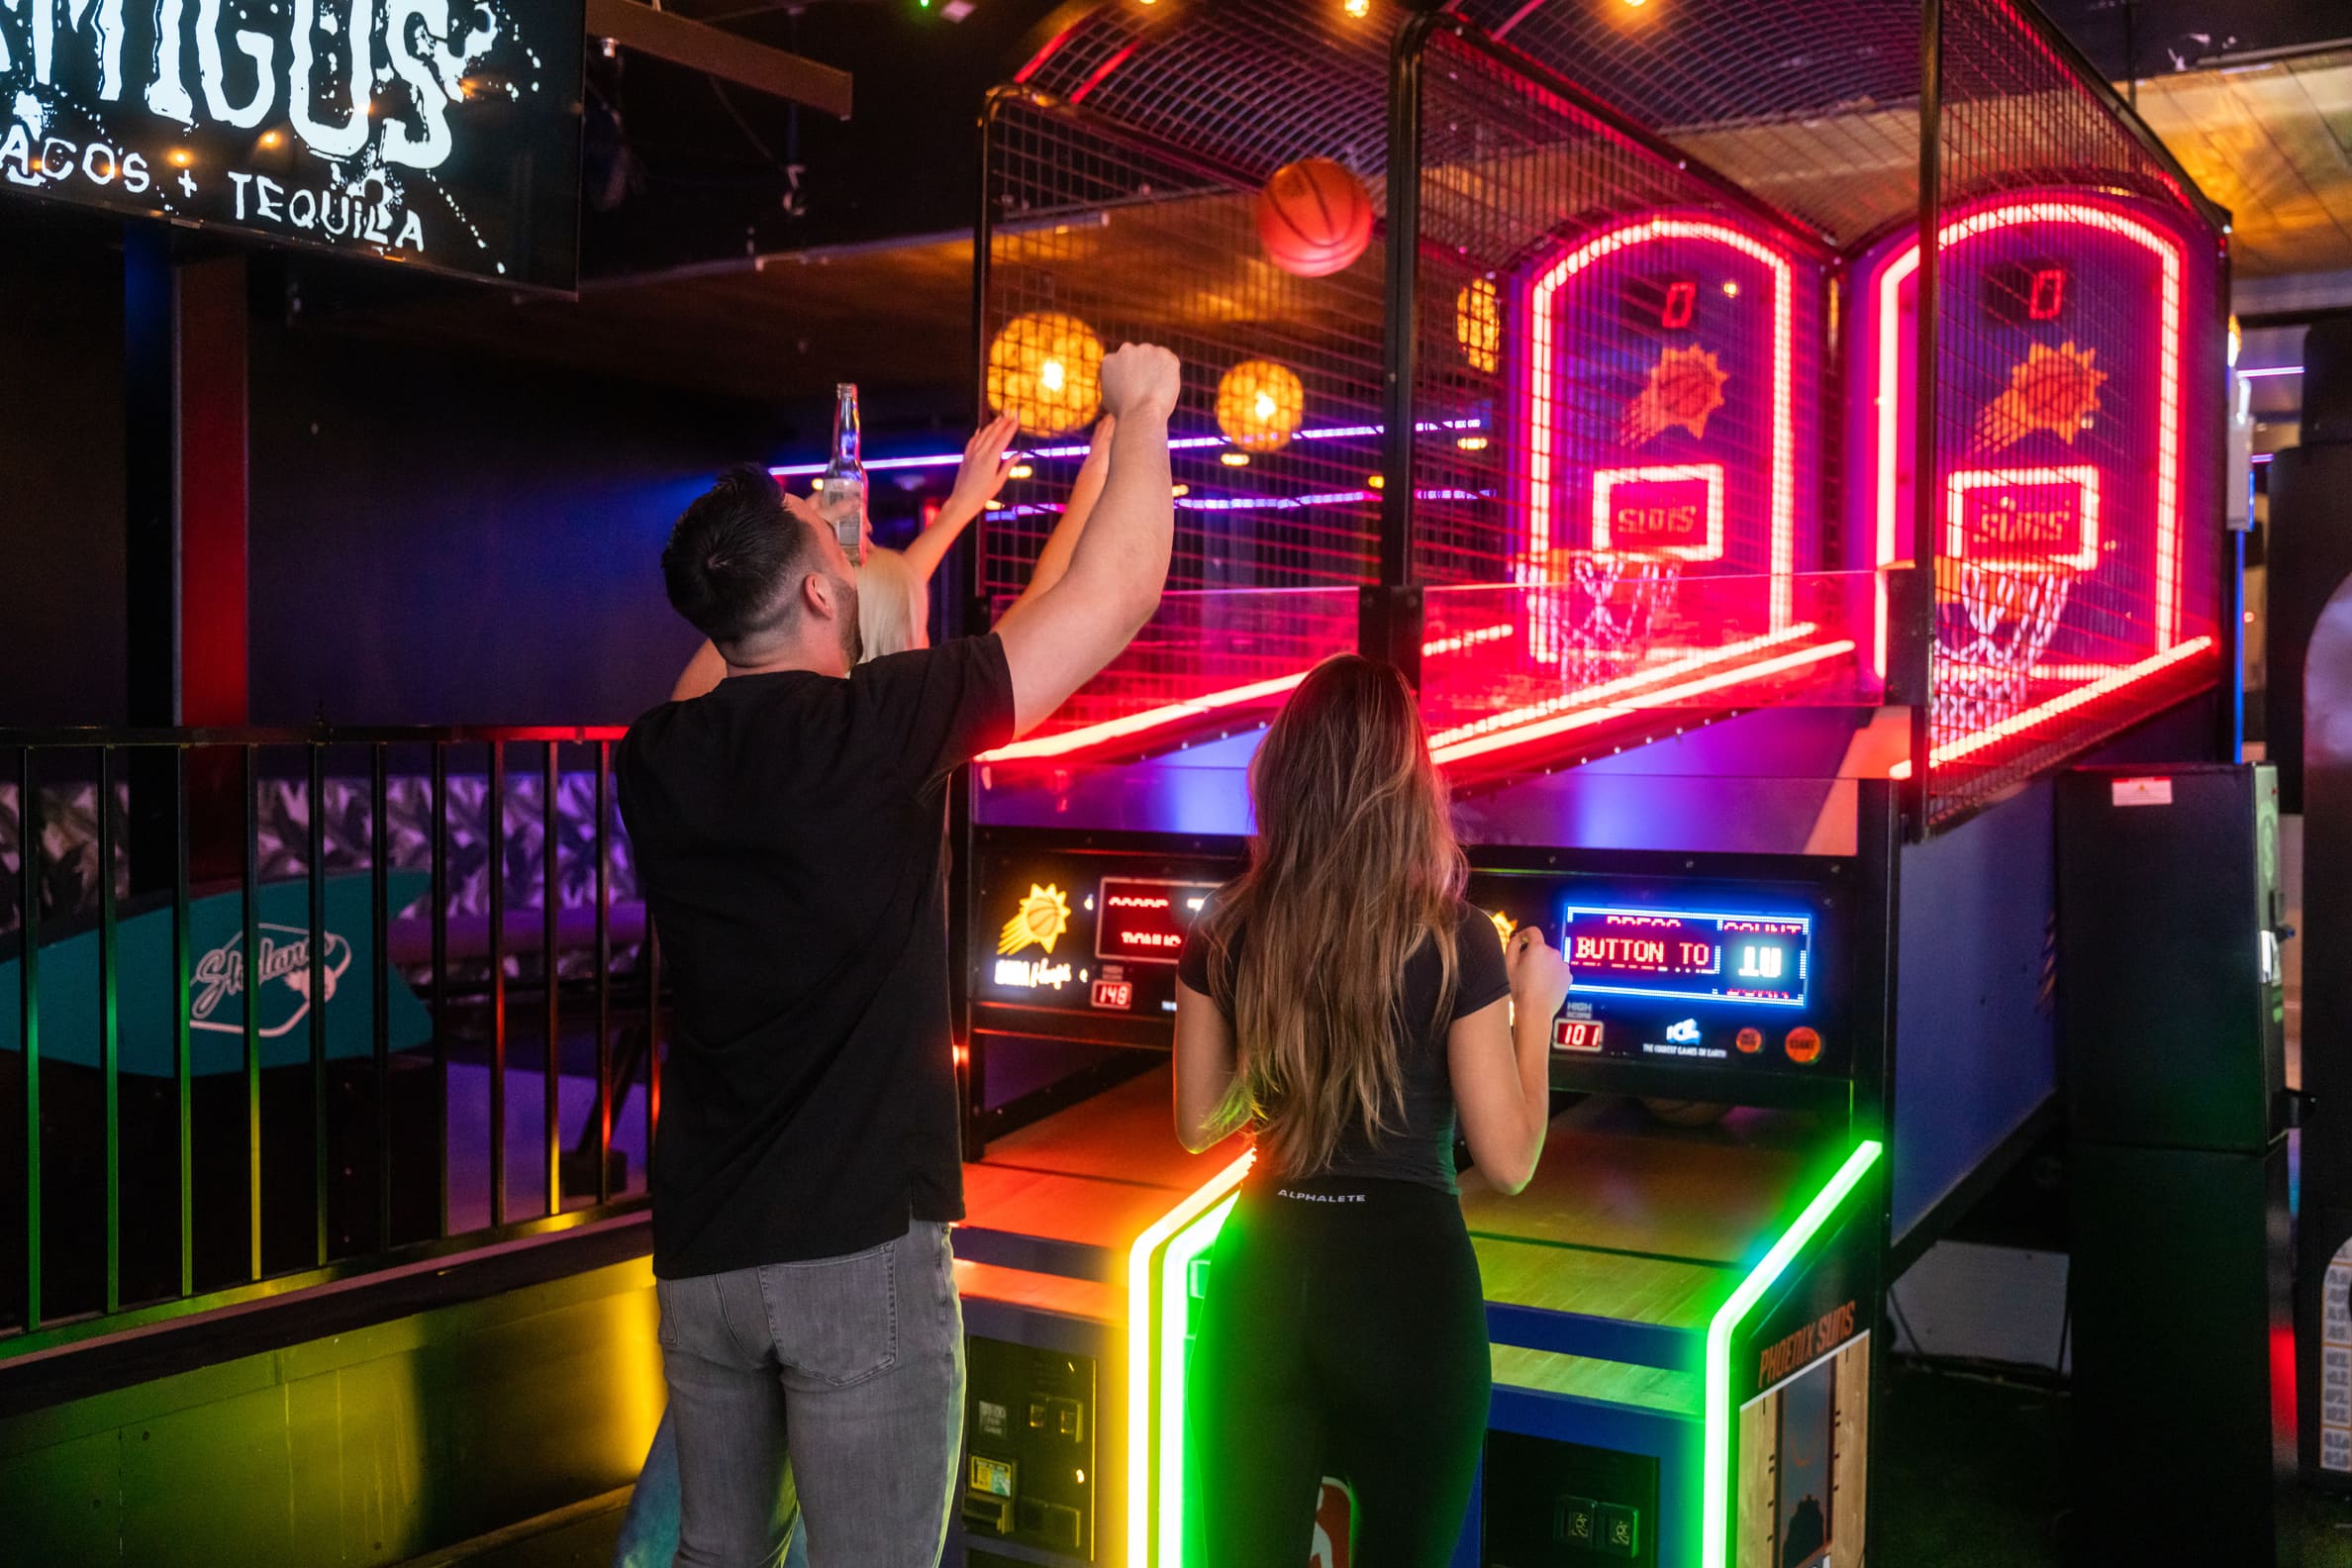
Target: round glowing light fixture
1259, 405
1045, 370
1477, 325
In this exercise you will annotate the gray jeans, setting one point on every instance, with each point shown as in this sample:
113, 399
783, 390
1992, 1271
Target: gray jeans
849, 1367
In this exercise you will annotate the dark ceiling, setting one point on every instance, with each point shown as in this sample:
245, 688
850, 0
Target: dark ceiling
864, 224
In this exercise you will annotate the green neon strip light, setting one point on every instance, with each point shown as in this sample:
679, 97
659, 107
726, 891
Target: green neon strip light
1142, 1343
1714, 1535
1175, 1321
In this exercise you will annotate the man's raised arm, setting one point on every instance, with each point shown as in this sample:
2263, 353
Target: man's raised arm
1056, 641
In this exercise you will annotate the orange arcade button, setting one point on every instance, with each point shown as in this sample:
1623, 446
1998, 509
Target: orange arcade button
1803, 1045
1749, 1040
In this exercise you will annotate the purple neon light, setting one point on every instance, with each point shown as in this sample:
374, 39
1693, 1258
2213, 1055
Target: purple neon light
1177, 444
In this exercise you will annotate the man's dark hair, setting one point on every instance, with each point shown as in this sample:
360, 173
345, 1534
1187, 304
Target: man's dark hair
736, 555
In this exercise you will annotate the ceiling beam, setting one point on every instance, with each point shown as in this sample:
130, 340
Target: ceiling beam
698, 46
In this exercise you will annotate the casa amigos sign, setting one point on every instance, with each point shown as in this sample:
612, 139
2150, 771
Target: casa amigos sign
223, 983
443, 133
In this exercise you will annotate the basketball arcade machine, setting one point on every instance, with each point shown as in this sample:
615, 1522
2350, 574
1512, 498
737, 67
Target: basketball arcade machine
1107, 213
1719, 687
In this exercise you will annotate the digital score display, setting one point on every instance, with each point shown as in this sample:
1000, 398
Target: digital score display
1144, 921
1687, 956
1083, 944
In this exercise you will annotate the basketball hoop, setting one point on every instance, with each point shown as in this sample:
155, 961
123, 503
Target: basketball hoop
1993, 621
1610, 606
2014, 541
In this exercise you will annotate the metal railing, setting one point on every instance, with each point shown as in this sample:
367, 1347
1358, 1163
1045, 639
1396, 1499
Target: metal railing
240, 1155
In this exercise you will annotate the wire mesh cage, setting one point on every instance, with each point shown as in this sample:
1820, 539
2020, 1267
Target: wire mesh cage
1612, 203
2072, 411
1128, 179
1620, 386
1654, 281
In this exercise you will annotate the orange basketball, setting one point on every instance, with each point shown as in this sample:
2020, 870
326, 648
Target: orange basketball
1314, 218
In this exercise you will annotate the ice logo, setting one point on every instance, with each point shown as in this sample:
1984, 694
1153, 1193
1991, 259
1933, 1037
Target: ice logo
1684, 1034
284, 958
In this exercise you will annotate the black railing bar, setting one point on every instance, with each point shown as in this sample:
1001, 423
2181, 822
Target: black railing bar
604, 972
345, 1272
439, 920
249, 942
110, 1036
28, 840
89, 737
496, 845
380, 999
183, 1064
314, 854
550, 839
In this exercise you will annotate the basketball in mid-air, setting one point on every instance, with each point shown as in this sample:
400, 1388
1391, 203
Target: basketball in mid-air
1314, 218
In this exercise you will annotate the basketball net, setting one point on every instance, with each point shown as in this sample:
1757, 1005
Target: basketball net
1610, 606
1992, 624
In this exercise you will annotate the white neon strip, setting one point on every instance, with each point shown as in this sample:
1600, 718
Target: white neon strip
1586, 717
1140, 1499
2167, 387
2270, 370
1607, 479
1538, 412
1586, 696
2082, 476
2017, 724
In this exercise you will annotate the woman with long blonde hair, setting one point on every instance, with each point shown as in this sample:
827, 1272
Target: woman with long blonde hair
1343, 1001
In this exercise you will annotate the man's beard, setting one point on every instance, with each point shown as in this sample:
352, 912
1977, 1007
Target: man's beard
852, 640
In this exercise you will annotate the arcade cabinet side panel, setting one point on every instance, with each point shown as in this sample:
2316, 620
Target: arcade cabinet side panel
1788, 1384
1976, 1037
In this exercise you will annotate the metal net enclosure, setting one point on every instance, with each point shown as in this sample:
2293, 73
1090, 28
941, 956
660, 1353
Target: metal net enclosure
1693, 296
1616, 367
1130, 192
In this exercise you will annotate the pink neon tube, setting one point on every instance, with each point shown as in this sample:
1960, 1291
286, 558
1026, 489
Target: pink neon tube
1586, 717
2057, 707
1888, 390
1536, 408
1066, 741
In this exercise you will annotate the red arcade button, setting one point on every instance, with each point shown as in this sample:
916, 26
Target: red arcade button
1803, 1045
1749, 1040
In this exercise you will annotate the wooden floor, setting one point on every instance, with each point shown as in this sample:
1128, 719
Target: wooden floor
1616, 1179
1096, 1174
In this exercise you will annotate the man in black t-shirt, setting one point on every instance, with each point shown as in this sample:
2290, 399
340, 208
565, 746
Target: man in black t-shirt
788, 830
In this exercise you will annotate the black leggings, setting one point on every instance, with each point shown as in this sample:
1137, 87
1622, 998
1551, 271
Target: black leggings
1343, 1333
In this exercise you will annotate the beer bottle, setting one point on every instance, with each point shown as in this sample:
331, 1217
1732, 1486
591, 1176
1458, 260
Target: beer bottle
842, 494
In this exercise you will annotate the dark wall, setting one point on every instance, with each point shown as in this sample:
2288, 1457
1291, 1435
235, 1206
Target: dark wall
60, 469
444, 542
